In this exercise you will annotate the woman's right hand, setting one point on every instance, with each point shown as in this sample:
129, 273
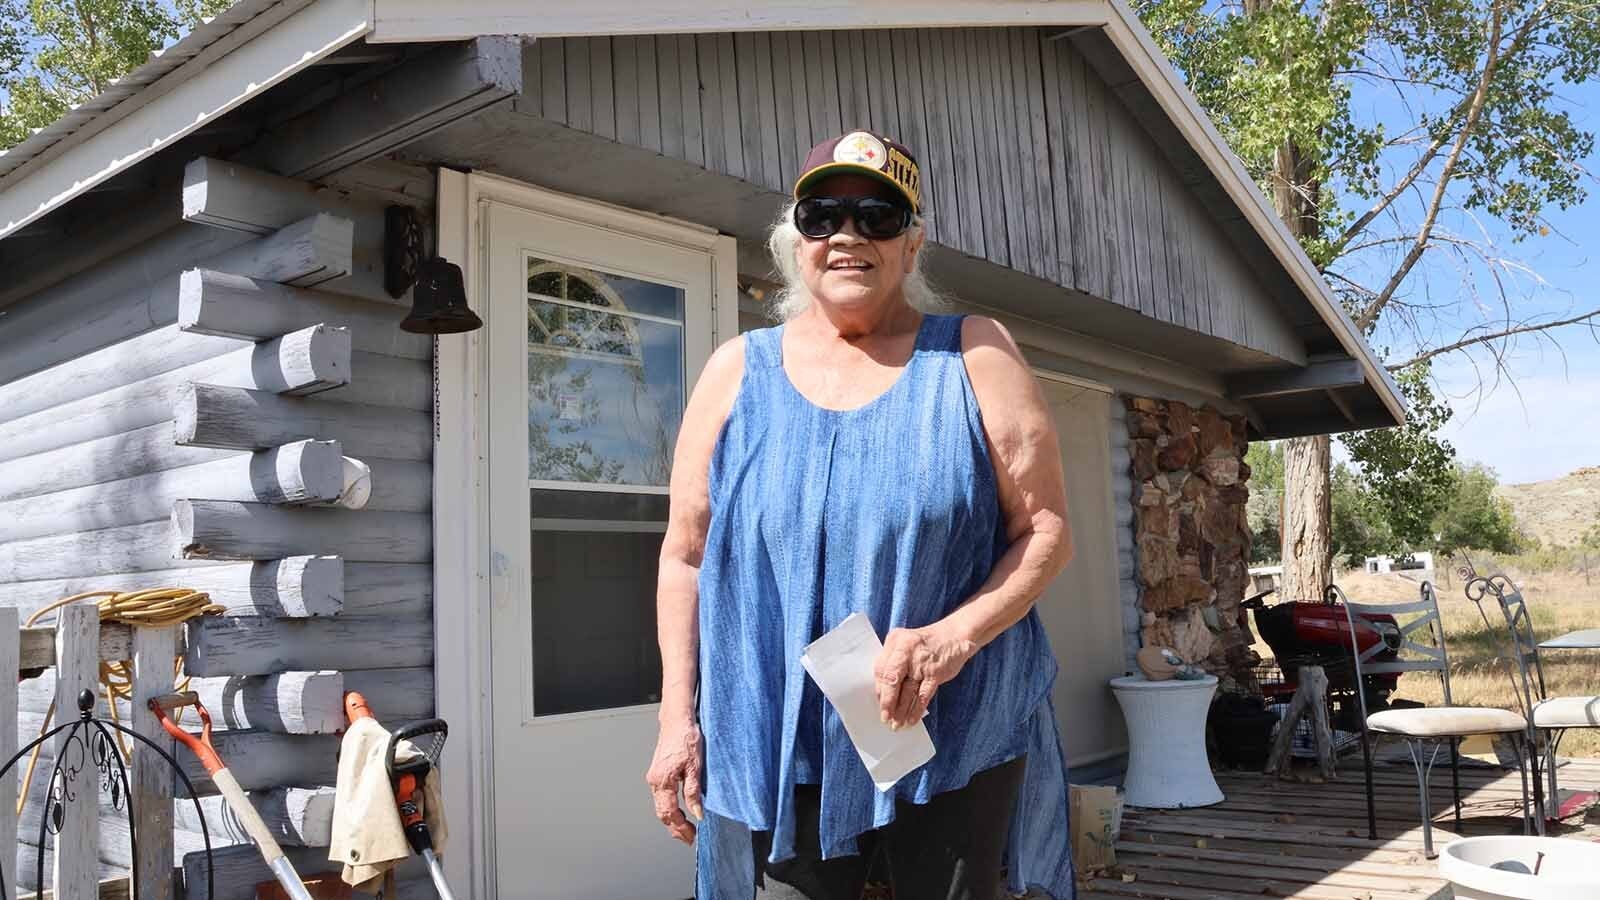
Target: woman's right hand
678, 762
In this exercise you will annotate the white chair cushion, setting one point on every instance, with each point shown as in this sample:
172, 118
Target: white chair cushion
1445, 721
1567, 712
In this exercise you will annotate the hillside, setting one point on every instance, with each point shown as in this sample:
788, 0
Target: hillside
1560, 510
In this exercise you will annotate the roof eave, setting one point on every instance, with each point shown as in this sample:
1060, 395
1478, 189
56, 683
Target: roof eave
268, 41
242, 54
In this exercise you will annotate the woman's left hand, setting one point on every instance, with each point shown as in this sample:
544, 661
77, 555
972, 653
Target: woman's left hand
912, 666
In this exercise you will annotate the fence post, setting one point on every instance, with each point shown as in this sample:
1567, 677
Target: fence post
152, 779
10, 660
77, 856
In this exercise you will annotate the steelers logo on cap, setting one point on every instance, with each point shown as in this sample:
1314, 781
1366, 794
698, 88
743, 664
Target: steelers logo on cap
862, 149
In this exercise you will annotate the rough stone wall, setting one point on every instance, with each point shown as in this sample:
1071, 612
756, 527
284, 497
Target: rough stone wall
1191, 534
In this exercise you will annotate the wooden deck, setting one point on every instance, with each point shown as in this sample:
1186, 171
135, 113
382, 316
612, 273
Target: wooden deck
1273, 838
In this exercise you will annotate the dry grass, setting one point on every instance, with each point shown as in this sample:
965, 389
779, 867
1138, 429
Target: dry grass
1480, 675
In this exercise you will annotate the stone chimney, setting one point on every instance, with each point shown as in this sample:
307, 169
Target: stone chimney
1191, 535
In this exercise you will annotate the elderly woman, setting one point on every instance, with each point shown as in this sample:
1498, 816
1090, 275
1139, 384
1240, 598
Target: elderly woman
866, 455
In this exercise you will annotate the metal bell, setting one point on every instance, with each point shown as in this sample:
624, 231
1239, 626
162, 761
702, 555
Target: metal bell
439, 300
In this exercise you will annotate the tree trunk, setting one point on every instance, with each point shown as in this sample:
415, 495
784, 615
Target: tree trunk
1307, 486
1307, 518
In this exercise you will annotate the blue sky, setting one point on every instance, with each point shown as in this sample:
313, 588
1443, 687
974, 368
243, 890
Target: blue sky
1538, 423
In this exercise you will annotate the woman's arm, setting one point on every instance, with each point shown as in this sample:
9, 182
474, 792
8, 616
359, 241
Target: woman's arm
1033, 503
678, 758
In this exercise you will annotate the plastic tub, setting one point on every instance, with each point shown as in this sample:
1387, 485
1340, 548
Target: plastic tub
1570, 871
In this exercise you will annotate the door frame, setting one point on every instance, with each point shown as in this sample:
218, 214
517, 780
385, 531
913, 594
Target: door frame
466, 569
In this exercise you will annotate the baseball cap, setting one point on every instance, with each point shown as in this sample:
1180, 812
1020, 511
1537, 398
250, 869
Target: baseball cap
863, 153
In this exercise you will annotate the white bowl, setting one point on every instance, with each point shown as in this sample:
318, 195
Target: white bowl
1570, 871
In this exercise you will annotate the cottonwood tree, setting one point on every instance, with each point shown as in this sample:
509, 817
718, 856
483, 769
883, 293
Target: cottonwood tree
55, 54
1460, 126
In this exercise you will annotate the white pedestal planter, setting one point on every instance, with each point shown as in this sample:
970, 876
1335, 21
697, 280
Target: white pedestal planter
1570, 870
1167, 763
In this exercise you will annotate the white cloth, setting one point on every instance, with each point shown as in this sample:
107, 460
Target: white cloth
367, 835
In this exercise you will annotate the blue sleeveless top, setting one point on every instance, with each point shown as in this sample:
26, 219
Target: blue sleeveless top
891, 510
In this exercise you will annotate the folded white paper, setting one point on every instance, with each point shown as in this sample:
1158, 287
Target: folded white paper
841, 662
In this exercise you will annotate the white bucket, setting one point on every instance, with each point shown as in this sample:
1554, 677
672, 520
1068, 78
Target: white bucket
1570, 869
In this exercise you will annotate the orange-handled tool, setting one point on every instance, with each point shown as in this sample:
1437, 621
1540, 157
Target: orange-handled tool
427, 739
228, 786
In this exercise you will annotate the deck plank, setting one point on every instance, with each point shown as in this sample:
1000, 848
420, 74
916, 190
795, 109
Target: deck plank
1308, 840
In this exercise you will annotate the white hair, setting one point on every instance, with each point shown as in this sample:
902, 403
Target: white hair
791, 299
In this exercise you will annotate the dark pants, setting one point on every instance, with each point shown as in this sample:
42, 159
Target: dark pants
948, 849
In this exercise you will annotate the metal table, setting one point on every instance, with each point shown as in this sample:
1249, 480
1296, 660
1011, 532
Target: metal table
1587, 639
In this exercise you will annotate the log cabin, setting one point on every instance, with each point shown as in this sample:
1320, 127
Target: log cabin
203, 381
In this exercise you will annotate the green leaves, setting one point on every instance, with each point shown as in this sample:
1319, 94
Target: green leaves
1474, 518
1409, 469
55, 54
1275, 73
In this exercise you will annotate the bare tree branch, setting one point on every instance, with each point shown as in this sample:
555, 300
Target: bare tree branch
1393, 194
1474, 110
1488, 338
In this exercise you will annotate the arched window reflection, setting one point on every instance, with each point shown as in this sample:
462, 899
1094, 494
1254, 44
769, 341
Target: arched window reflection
605, 376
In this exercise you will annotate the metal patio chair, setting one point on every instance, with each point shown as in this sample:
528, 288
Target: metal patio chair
1382, 644
1554, 716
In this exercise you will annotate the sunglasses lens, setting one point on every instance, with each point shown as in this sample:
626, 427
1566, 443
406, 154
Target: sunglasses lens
819, 217
880, 219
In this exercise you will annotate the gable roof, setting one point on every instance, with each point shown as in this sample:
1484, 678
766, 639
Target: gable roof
259, 43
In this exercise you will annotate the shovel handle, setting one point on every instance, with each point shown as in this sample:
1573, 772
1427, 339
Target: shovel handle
230, 790
199, 746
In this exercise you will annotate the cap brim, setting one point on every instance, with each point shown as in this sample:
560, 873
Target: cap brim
809, 179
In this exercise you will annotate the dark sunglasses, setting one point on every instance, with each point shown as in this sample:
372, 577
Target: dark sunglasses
876, 220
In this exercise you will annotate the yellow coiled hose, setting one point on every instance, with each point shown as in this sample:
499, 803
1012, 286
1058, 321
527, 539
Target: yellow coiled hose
150, 608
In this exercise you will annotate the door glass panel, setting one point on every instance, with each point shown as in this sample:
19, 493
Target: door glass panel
594, 620
605, 376
605, 398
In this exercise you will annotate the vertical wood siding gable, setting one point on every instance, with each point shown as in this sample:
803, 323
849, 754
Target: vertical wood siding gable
1031, 160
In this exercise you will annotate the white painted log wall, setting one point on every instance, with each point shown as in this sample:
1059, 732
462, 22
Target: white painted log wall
302, 472
101, 387
308, 361
297, 587
221, 417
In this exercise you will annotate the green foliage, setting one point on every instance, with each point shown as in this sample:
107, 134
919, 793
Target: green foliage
1264, 79
55, 54
1281, 73
1360, 527
1409, 471
1525, 157
1264, 509
1468, 517
1474, 518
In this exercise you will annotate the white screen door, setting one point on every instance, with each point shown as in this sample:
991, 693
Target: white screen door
596, 336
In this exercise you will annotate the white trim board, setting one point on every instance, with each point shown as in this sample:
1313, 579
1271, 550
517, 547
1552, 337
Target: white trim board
430, 20
184, 100
464, 564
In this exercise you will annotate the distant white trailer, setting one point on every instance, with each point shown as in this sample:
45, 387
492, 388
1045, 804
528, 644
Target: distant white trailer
1415, 562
